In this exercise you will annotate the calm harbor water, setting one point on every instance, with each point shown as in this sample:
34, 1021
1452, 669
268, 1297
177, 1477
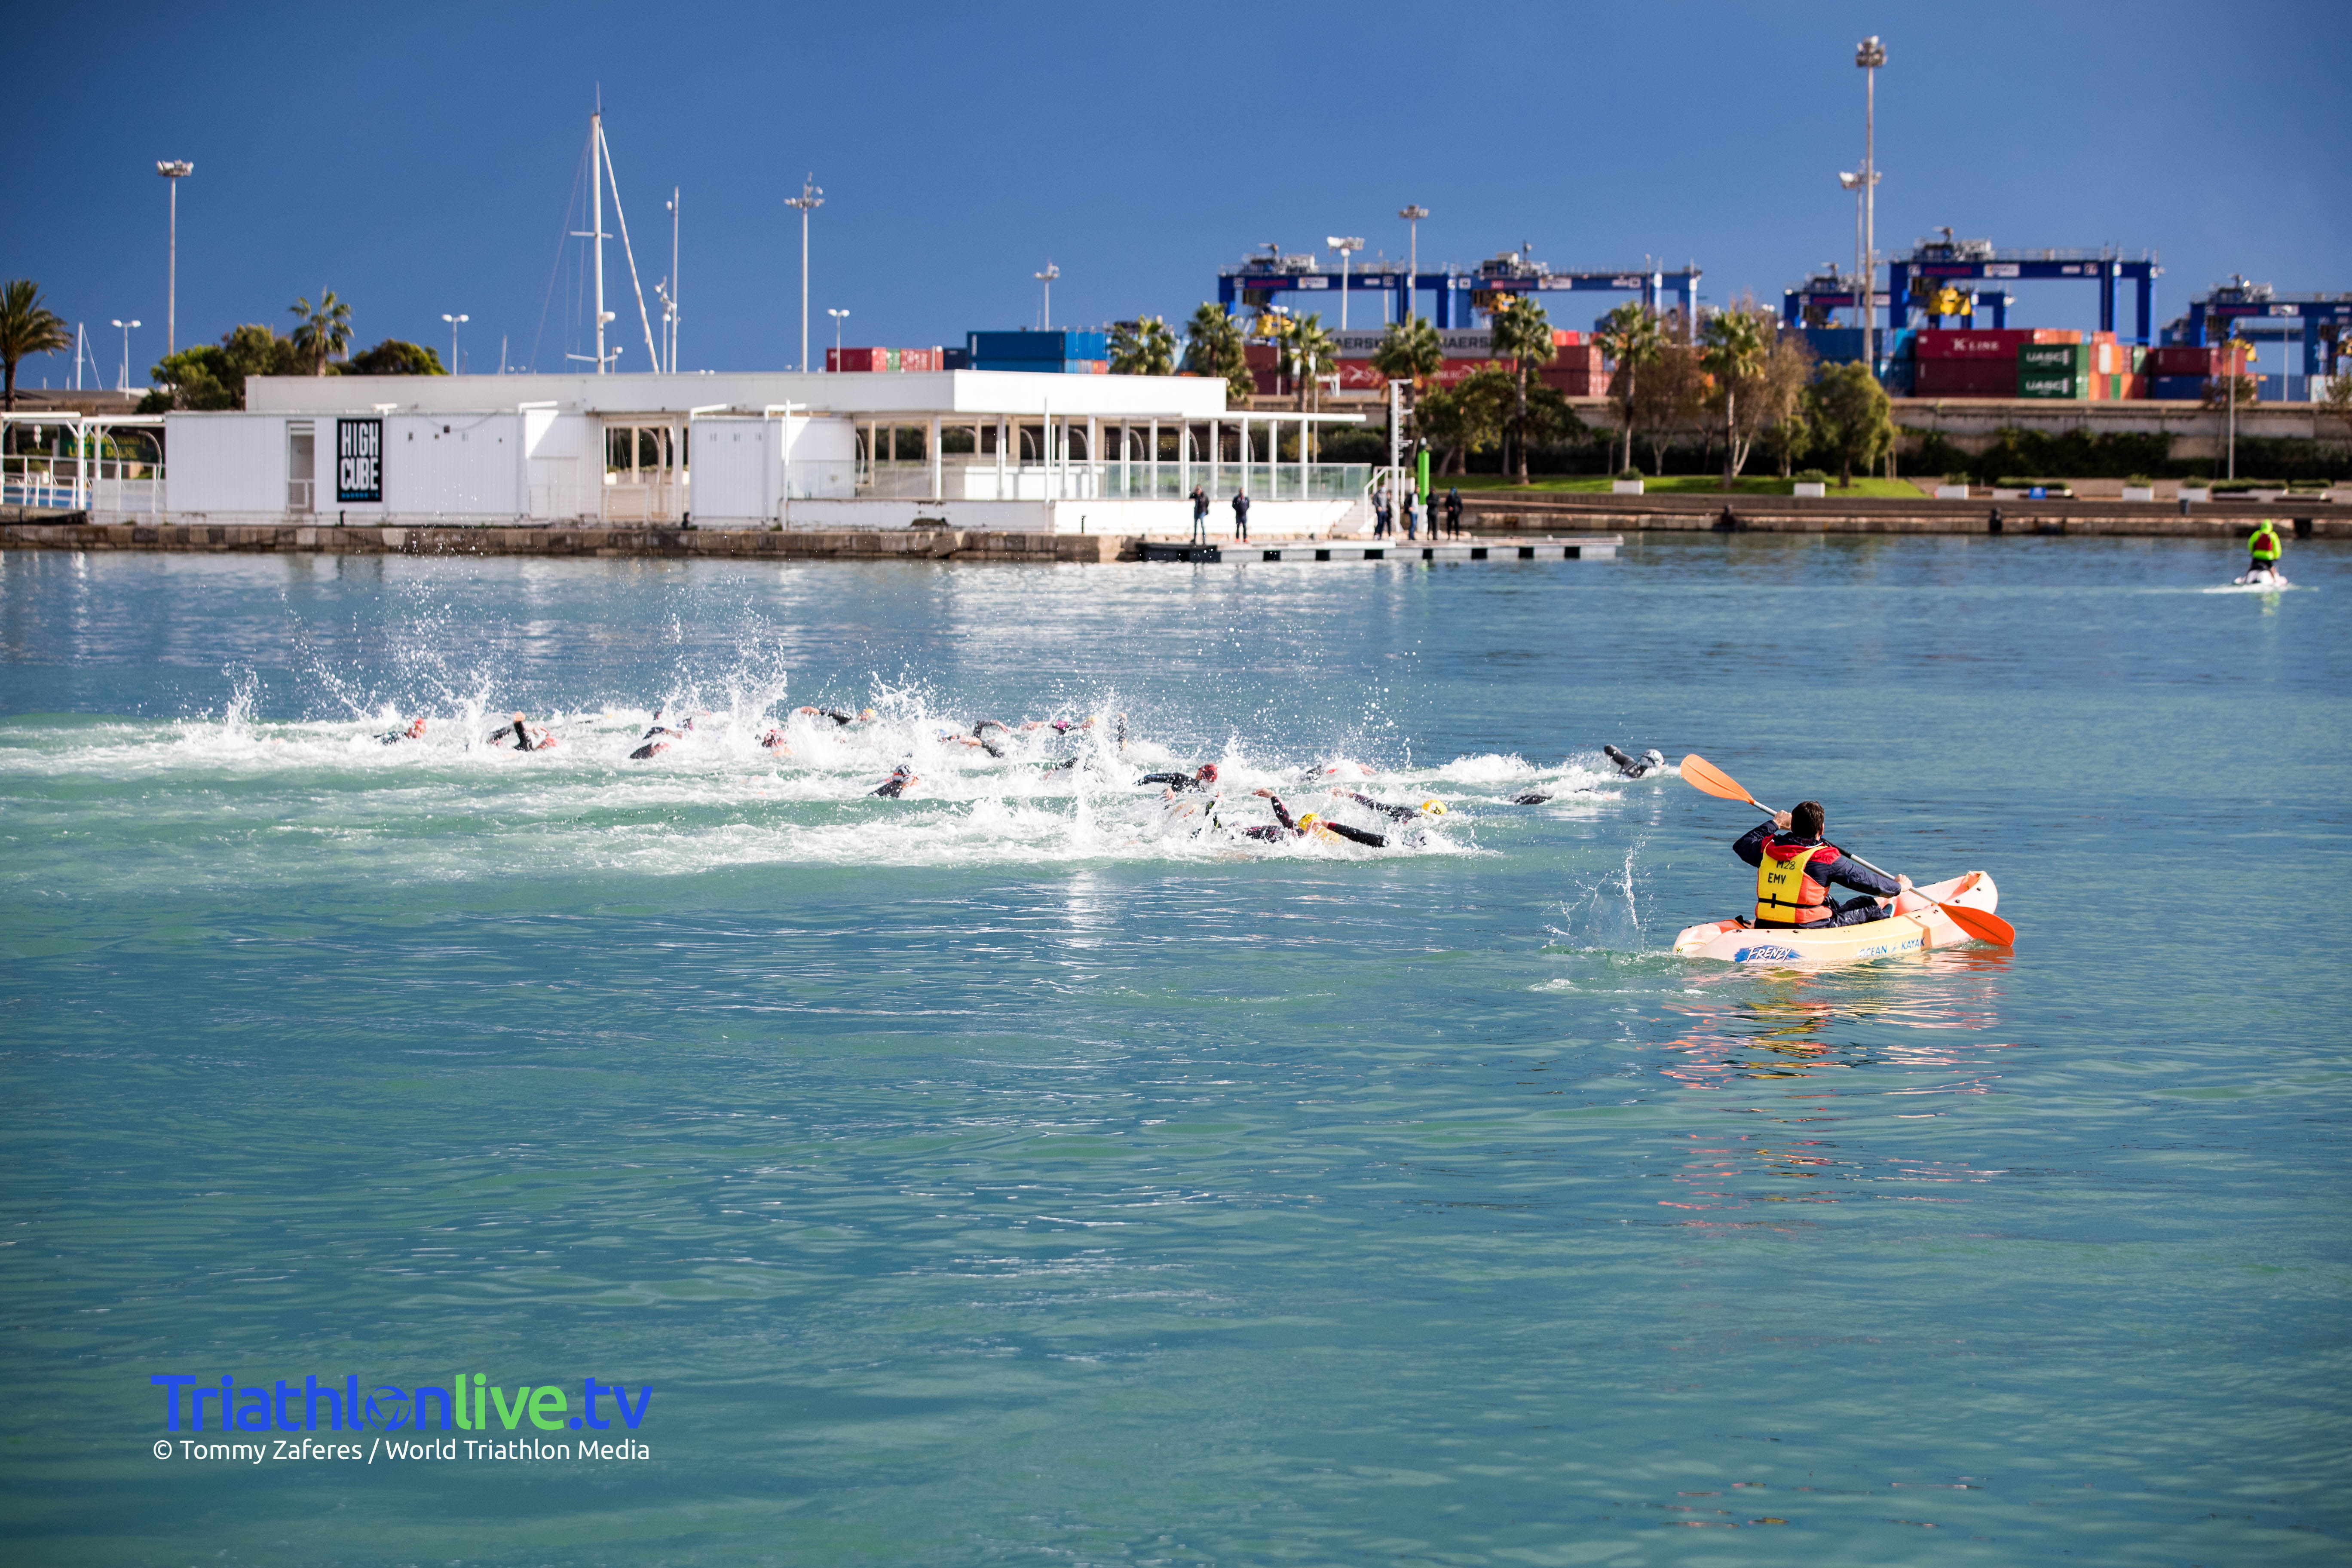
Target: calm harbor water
1027, 1170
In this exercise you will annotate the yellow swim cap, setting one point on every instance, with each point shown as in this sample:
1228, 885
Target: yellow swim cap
1435, 808
867, 714
1309, 820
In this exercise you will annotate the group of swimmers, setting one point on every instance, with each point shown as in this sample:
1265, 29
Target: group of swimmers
989, 735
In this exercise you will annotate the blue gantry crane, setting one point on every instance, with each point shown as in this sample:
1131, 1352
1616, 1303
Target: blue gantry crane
1257, 282
2258, 312
1937, 270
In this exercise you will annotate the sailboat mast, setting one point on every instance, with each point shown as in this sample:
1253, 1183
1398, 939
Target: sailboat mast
596, 223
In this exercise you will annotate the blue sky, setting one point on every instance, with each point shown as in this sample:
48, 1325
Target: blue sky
418, 158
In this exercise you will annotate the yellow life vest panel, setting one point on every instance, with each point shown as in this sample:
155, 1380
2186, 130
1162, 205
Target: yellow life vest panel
1783, 889
2265, 544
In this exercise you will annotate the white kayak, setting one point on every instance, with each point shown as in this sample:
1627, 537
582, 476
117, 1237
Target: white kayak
1918, 926
2264, 582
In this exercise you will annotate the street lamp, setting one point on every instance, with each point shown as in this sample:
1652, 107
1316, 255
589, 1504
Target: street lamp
838, 317
1047, 277
812, 198
1414, 215
1869, 55
125, 383
1345, 247
174, 171
453, 321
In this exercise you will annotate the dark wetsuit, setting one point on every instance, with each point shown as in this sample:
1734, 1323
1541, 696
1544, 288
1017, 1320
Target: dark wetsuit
1631, 767
1289, 829
1180, 782
1831, 867
1396, 813
522, 736
895, 784
393, 738
836, 715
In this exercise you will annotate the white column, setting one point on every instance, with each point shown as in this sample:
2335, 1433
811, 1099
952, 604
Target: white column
1216, 455
1151, 460
1000, 431
1094, 453
938, 476
1185, 456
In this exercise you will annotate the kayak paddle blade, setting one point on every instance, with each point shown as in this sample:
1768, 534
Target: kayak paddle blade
1702, 774
1981, 924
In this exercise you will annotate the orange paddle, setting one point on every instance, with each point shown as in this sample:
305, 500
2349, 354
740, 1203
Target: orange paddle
1981, 924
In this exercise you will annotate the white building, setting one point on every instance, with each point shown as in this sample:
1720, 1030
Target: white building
978, 450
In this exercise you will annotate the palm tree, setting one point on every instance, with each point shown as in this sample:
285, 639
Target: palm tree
1314, 354
1522, 334
1409, 352
1213, 346
324, 333
1736, 347
1143, 347
26, 327
1630, 335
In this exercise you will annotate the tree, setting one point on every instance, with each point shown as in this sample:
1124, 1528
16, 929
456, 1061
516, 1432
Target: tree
1736, 344
394, 357
1772, 407
206, 376
1522, 334
1213, 346
1143, 347
2336, 406
1311, 353
1848, 411
1630, 335
1669, 399
26, 327
1409, 351
324, 333
1465, 418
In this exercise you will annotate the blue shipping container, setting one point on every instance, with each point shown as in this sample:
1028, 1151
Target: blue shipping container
1031, 347
2175, 388
955, 359
1835, 346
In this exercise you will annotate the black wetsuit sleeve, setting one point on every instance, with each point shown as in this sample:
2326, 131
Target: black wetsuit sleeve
1395, 812
1373, 840
1281, 813
1750, 846
838, 717
1178, 779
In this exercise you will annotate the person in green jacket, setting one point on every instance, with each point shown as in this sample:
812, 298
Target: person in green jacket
2264, 547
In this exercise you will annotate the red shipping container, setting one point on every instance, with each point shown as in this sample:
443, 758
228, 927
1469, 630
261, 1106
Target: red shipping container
1577, 383
1260, 356
856, 359
1965, 378
919, 359
2190, 359
1970, 342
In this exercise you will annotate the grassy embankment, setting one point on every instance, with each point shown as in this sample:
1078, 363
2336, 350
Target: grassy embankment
1679, 485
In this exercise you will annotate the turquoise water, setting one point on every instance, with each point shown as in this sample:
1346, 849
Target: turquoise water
1017, 1172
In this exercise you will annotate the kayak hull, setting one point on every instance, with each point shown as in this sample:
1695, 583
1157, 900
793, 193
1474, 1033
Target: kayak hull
1918, 927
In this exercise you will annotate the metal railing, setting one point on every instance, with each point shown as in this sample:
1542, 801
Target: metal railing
964, 479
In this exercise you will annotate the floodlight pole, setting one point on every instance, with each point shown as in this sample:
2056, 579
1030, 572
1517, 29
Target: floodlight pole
812, 198
125, 386
1046, 318
838, 317
453, 321
1344, 245
1870, 54
174, 171
1412, 216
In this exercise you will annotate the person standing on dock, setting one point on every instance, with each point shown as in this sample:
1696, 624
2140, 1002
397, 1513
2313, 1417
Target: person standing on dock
1241, 515
1199, 515
1383, 515
1454, 513
1411, 531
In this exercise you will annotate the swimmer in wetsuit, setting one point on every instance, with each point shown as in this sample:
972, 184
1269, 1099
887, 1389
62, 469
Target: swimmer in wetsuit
1202, 777
774, 741
895, 784
416, 731
1395, 812
525, 737
1307, 823
1649, 761
840, 715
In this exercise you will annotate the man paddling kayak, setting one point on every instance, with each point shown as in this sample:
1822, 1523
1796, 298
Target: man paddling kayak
1796, 867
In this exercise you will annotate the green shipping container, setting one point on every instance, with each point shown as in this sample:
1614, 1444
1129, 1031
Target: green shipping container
2057, 358
2054, 383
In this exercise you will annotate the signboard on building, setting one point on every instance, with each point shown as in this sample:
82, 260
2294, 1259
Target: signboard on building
359, 460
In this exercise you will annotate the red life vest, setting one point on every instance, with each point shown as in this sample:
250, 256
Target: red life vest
1786, 893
